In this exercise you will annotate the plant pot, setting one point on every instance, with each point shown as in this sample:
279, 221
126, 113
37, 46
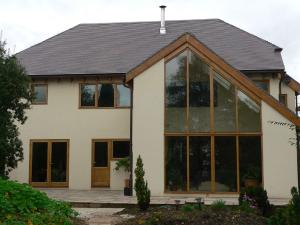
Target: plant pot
127, 191
251, 182
127, 183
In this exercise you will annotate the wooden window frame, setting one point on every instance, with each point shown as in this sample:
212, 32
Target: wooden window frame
32, 89
97, 83
48, 184
212, 133
263, 81
285, 99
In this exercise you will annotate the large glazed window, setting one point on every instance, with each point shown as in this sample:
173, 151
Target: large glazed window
199, 94
209, 126
176, 94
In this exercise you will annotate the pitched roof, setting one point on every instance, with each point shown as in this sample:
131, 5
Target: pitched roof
241, 80
119, 47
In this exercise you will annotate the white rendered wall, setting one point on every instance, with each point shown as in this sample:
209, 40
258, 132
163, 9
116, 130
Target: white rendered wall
61, 118
148, 125
279, 155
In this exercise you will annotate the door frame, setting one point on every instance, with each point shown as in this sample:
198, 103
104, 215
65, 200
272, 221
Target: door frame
48, 184
109, 156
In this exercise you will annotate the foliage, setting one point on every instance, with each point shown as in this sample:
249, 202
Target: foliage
257, 197
289, 215
218, 205
248, 205
123, 163
15, 97
141, 187
189, 207
20, 204
252, 173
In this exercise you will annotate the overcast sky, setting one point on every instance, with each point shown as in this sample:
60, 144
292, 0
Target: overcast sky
27, 22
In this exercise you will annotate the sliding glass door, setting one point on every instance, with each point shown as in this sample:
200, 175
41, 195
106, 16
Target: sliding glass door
49, 163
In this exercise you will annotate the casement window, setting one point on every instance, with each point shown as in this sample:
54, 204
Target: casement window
263, 84
212, 129
283, 99
121, 149
104, 95
40, 92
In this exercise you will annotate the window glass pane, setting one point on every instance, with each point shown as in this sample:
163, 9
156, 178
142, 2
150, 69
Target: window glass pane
283, 99
59, 162
122, 95
262, 84
101, 154
176, 176
200, 167
250, 159
106, 95
176, 94
121, 149
199, 94
39, 161
225, 164
249, 114
224, 104
40, 93
88, 94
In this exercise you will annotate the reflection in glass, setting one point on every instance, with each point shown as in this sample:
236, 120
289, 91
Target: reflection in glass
249, 114
176, 177
101, 154
39, 161
88, 94
176, 93
122, 96
224, 104
225, 164
106, 95
121, 149
40, 93
200, 166
199, 94
262, 84
59, 162
250, 159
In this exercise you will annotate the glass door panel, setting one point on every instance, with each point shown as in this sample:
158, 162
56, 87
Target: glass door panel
39, 167
59, 162
200, 166
101, 154
101, 165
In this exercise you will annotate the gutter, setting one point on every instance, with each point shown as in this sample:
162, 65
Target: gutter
131, 152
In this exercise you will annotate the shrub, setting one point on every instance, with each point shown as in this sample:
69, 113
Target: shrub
218, 205
257, 197
189, 207
123, 163
21, 204
290, 214
141, 187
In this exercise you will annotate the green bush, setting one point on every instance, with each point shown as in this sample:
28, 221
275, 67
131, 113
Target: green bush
141, 187
257, 197
289, 215
21, 204
218, 205
188, 207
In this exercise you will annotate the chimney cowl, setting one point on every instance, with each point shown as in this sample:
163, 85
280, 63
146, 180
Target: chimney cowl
162, 29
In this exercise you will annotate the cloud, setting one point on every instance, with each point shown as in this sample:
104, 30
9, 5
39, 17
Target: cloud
27, 22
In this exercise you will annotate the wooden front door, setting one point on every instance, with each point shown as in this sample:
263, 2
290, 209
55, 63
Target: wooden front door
101, 164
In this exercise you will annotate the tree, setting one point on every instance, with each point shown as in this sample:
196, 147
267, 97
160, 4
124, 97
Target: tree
141, 187
15, 97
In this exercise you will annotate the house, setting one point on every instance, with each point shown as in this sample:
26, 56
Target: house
206, 105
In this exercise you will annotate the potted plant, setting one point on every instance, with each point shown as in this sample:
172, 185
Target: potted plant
124, 164
251, 177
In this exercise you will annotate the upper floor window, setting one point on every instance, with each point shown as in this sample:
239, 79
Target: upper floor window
283, 99
40, 92
263, 84
104, 95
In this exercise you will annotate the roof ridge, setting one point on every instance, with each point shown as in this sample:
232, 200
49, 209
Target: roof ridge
150, 21
253, 35
41, 42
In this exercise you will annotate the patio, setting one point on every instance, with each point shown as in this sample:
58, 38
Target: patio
100, 198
